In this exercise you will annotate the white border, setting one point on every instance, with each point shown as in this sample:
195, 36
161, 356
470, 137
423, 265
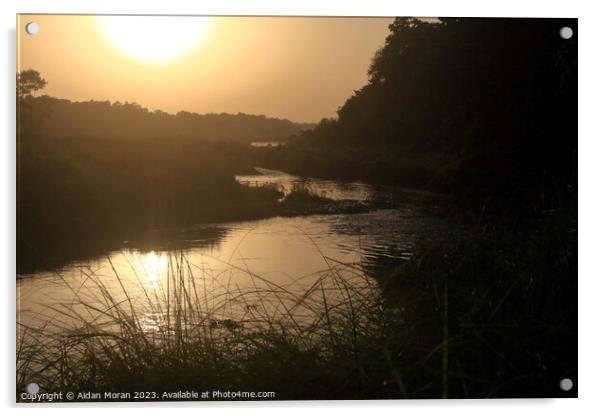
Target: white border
590, 207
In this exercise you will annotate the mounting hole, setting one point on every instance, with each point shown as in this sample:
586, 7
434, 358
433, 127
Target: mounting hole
32, 388
566, 384
566, 32
32, 28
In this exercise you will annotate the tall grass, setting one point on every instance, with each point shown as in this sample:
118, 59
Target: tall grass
190, 333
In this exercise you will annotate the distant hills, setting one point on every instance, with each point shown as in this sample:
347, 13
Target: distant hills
55, 117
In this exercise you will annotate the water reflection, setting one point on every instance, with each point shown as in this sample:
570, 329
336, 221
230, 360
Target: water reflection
336, 190
233, 264
154, 266
287, 253
267, 144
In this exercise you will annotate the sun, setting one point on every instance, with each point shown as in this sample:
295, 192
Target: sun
155, 39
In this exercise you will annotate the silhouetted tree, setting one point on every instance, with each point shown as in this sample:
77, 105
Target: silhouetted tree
28, 82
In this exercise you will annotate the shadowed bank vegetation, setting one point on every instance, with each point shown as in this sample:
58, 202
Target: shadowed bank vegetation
79, 198
486, 108
110, 189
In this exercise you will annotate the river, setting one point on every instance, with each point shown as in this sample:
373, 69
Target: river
221, 260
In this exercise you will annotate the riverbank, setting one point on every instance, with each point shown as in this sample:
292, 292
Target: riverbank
53, 250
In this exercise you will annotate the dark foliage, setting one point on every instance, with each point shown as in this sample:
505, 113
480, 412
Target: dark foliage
28, 82
486, 107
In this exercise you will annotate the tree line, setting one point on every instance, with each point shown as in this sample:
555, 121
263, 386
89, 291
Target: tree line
47, 116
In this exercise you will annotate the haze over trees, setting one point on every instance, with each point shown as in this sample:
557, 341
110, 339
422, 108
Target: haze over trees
47, 116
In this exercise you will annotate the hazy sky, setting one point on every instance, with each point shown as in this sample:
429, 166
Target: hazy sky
298, 68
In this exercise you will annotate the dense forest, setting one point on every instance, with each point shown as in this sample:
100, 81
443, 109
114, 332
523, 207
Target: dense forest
483, 107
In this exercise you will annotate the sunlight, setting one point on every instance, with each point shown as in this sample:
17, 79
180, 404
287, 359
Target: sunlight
154, 39
154, 266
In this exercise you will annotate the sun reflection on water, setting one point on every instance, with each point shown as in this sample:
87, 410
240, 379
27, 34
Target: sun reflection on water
154, 266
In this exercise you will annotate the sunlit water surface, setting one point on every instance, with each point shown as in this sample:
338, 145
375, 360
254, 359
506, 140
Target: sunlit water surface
238, 264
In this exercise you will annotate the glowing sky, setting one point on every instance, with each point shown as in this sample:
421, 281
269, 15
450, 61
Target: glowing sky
300, 68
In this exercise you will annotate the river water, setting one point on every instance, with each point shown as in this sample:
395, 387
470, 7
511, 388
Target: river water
284, 255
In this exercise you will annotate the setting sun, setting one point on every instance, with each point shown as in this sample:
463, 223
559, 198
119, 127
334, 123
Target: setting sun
154, 38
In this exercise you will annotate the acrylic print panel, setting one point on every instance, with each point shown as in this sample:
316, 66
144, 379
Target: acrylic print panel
277, 208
